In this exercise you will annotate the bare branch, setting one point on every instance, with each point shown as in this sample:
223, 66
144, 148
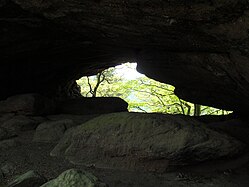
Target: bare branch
214, 111
139, 108
153, 85
90, 86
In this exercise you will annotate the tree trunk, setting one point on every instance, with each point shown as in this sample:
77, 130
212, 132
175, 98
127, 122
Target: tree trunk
197, 111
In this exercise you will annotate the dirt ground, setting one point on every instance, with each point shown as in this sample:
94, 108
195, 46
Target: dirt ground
35, 156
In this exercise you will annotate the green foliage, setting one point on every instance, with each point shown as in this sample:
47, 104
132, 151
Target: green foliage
142, 94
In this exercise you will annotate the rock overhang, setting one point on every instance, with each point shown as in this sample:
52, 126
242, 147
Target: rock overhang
201, 47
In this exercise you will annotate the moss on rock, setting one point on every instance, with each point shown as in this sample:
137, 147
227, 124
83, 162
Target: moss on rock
75, 178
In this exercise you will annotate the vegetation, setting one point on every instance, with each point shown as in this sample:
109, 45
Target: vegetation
142, 94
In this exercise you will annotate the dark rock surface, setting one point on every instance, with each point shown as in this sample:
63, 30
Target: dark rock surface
52, 131
235, 127
27, 104
77, 119
201, 47
147, 142
1, 177
4, 134
92, 105
7, 169
8, 144
19, 123
28, 179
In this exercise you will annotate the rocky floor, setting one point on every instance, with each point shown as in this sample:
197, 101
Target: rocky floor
35, 156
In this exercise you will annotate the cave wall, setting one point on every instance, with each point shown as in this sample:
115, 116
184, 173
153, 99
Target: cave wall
199, 46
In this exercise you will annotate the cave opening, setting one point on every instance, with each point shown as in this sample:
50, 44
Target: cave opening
52, 136
142, 93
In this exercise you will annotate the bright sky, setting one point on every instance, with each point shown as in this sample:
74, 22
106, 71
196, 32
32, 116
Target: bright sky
128, 71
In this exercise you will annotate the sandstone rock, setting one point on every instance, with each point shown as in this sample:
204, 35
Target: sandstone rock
1, 177
77, 119
38, 119
6, 117
93, 105
27, 104
236, 128
19, 123
29, 179
75, 178
8, 169
52, 131
9, 143
4, 134
150, 142
215, 118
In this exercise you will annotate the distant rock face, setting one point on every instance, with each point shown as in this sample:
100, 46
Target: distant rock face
92, 105
27, 104
75, 178
201, 47
147, 142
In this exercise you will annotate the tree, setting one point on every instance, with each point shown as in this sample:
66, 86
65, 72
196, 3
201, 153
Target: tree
100, 78
106, 83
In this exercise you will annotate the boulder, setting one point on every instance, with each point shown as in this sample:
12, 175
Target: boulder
29, 179
38, 119
27, 104
52, 131
77, 119
92, 105
75, 178
147, 142
19, 123
6, 117
4, 134
7, 169
9, 143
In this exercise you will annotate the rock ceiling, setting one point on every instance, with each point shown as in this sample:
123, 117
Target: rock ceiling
199, 46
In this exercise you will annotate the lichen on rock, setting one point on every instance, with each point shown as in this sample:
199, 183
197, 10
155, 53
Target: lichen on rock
75, 178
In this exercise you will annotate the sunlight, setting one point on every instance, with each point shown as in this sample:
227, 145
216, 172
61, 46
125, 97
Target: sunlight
128, 71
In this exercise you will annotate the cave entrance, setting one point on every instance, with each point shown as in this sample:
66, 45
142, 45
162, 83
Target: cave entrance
140, 92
